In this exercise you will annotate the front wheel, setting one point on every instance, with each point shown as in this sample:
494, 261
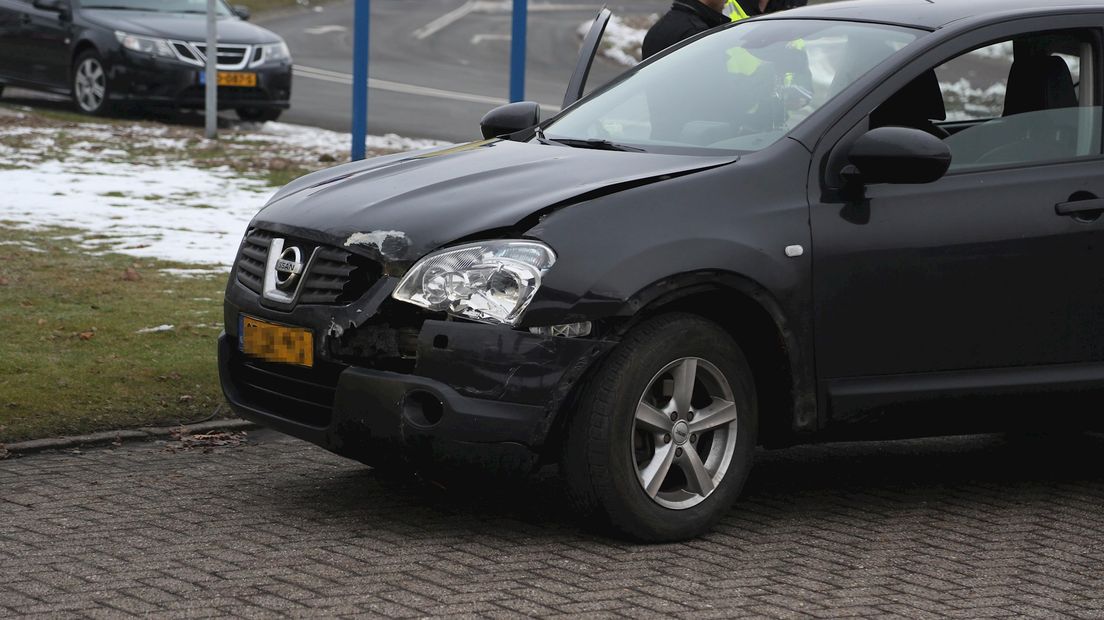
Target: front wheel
90, 87
662, 440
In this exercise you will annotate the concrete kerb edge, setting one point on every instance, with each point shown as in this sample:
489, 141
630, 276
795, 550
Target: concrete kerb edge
109, 437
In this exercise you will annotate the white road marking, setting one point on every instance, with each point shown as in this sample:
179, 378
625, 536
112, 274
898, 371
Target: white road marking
325, 29
489, 6
326, 75
445, 20
479, 38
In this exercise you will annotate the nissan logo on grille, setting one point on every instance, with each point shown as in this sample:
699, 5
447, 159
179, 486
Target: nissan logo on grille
288, 268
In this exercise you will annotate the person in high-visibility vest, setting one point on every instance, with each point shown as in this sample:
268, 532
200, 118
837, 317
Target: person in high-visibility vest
788, 66
685, 19
737, 10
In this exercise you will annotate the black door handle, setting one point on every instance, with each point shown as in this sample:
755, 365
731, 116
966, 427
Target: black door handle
25, 19
1079, 207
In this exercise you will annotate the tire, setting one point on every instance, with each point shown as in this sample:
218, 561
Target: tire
258, 115
91, 92
614, 445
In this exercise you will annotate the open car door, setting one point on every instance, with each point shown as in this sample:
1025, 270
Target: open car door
587, 53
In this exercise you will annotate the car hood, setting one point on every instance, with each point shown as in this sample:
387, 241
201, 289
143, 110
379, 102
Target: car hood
181, 26
401, 207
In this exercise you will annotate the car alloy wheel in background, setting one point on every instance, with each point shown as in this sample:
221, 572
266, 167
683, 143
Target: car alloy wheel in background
90, 84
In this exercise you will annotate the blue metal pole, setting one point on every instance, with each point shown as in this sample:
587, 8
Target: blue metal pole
517, 50
361, 29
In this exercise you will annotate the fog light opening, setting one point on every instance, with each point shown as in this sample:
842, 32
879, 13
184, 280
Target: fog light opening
440, 341
423, 408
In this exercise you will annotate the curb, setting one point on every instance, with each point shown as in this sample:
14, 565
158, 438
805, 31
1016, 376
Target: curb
114, 437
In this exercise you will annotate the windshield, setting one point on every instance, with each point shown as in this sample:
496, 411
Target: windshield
741, 89
159, 6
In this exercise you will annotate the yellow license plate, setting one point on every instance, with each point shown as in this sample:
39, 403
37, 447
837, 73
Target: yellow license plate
276, 343
237, 78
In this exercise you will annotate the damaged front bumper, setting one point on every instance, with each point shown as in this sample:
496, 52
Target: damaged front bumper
472, 393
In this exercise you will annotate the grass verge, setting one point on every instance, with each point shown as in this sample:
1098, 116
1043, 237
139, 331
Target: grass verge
73, 359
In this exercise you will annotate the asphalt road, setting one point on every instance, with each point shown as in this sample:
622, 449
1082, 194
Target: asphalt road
437, 65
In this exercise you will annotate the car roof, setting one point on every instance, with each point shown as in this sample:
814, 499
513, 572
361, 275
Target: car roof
933, 14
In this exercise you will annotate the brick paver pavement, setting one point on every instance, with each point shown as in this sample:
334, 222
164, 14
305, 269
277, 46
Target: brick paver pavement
965, 527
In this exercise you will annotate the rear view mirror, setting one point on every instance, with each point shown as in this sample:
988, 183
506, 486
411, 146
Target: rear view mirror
510, 118
242, 11
898, 155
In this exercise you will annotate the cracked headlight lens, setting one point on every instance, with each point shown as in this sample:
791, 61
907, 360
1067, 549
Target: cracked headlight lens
145, 45
490, 282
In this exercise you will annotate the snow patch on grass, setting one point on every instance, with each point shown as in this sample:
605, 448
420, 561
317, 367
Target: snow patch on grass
158, 191
198, 216
322, 139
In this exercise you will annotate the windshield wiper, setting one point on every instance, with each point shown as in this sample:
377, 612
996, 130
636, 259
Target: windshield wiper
538, 133
112, 7
594, 143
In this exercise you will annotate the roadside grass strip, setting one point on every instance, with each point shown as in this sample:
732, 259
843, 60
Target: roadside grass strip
83, 347
116, 238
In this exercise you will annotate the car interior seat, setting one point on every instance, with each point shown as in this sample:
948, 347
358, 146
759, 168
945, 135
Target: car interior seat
917, 105
1040, 113
1039, 83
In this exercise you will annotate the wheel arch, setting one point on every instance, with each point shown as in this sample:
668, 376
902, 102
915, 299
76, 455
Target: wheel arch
81, 47
756, 321
783, 376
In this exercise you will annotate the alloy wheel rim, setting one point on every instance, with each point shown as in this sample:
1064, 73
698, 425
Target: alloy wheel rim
91, 85
684, 433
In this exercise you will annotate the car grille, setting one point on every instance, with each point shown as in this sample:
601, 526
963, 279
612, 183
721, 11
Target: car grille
229, 56
303, 395
334, 277
251, 260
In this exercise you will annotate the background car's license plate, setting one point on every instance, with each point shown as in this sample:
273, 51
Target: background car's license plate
245, 79
276, 343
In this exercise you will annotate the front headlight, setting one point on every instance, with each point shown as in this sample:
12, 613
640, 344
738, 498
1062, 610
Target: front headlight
490, 282
273, 52
145, 45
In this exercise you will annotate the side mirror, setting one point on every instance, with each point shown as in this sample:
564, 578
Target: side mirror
242, 11
58, 6
898, 155
510, 118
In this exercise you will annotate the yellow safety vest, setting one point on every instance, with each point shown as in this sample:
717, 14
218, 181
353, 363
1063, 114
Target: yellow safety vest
736, 12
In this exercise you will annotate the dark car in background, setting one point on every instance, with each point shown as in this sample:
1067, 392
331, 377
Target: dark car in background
697, 259
104, 53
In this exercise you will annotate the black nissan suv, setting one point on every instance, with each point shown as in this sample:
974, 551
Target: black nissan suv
867, 219
143, 52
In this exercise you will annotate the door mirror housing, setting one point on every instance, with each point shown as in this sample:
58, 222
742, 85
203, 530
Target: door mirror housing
510, 118
897, 155
242, 12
